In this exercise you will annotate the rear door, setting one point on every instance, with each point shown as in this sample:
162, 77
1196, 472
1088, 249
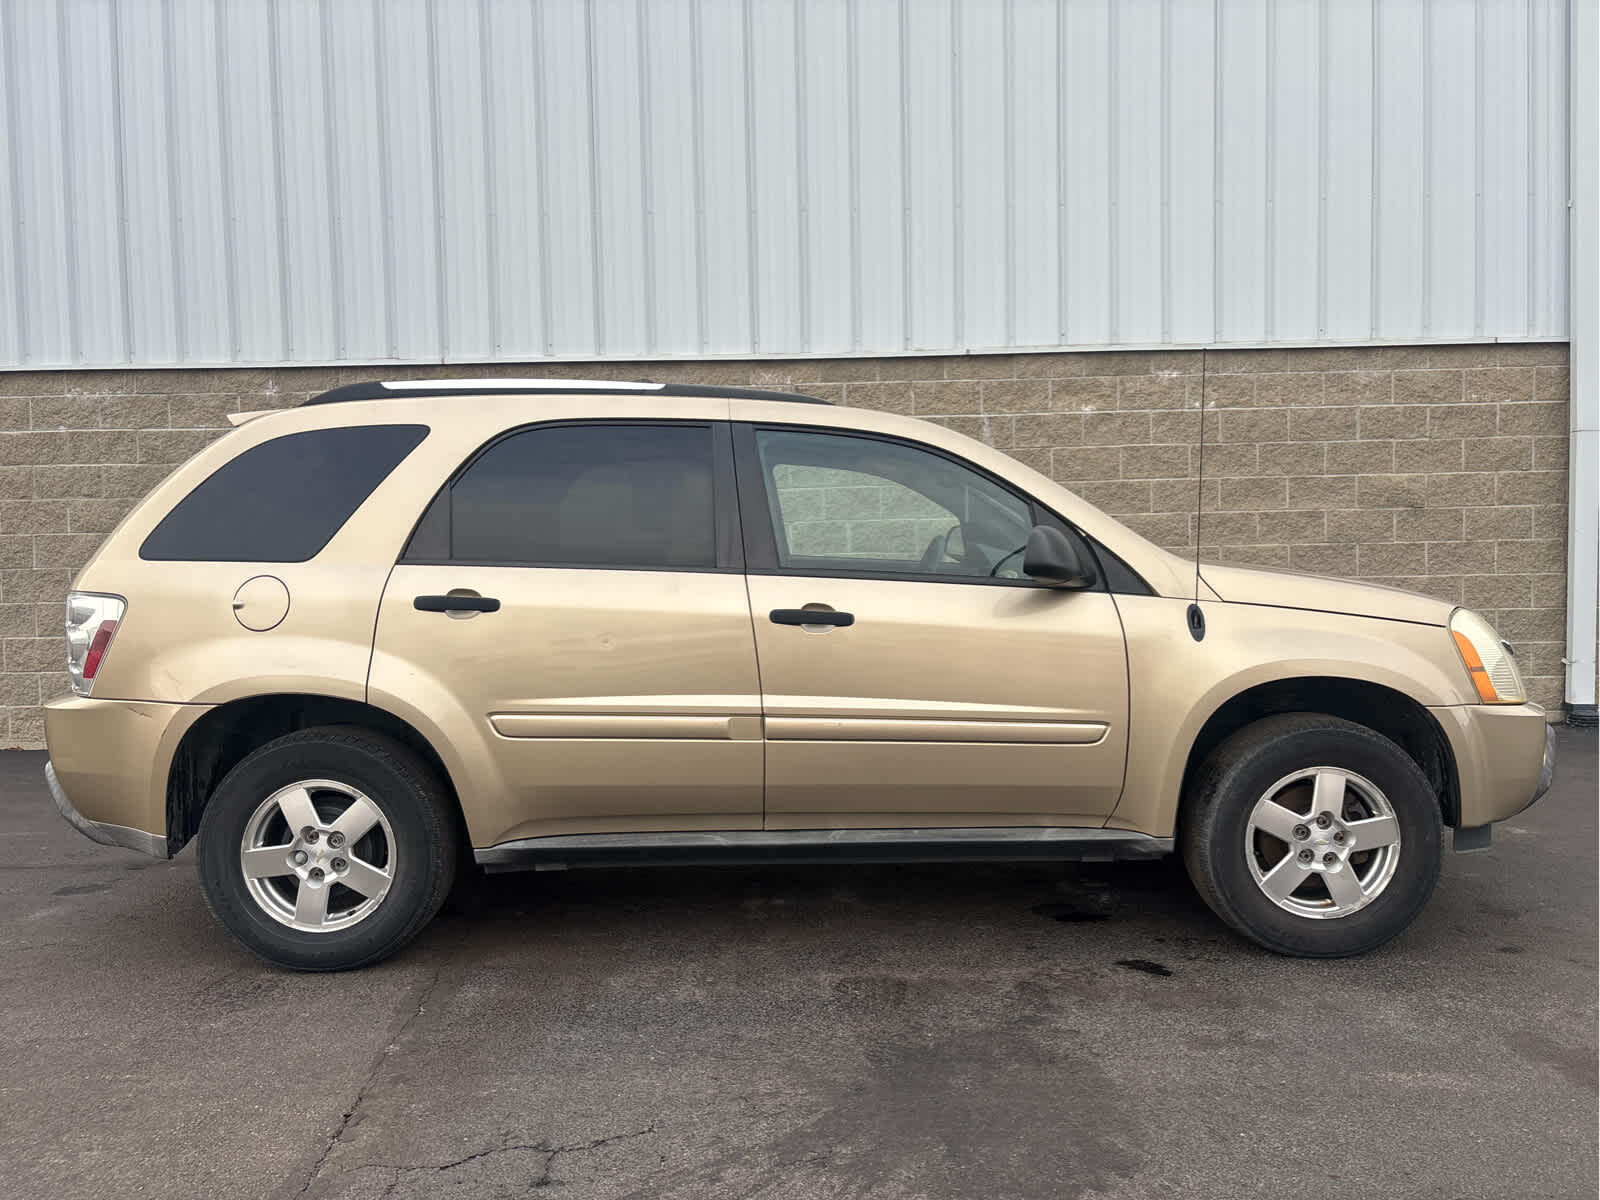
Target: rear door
571, 610
911, 676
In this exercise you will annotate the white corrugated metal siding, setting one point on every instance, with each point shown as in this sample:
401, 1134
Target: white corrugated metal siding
274, 181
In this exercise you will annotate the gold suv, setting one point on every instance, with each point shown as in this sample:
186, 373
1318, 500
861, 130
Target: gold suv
579, 624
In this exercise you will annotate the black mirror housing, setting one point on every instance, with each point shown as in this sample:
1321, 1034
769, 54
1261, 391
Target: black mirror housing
1053, 560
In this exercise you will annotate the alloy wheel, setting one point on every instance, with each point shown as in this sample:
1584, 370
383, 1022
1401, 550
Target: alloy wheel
1322, 843
318, 856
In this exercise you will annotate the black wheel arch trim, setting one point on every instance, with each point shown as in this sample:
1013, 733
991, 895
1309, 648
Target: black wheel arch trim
226, 734
1419, 733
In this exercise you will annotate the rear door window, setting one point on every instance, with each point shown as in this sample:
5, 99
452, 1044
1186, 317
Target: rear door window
600, 495
282, 501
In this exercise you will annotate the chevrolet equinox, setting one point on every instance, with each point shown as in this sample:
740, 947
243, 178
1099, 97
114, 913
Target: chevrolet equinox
567, 623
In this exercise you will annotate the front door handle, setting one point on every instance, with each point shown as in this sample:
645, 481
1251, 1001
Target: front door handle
456, 603
811, 616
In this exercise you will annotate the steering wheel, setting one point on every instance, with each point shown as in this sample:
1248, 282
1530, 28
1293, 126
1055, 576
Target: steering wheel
1004, 559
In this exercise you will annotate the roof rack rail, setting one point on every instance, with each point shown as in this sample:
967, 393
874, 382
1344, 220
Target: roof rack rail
380, 390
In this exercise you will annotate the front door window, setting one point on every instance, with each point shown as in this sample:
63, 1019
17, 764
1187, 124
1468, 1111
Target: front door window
860, 504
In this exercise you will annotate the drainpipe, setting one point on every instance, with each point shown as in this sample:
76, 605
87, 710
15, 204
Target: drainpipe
1583, 315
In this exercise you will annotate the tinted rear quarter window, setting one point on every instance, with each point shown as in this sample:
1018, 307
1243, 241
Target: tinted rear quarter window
282, 501
604, 495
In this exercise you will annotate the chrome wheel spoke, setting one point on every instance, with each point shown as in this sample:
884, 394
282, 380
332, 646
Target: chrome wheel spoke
357, 820
1344, 887
1273, 818
1327, 795
365, 878
311, 905
295, 805
1373, 833
1283, 878
266, 862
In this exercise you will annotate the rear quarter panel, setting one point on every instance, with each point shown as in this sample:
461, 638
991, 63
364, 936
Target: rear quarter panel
180, 641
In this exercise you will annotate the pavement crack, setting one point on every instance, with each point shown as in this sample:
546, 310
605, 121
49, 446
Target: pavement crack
378, 1060
551, 1153
581, 1147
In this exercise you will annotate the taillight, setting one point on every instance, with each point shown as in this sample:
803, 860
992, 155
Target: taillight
92, 620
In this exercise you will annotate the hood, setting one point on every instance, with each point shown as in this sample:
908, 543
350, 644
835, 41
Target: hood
1291, 589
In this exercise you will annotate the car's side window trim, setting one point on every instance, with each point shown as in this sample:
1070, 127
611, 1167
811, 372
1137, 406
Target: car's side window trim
725, 510
760, 540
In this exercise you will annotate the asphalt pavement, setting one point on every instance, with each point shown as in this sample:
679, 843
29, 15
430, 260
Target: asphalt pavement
854, 1031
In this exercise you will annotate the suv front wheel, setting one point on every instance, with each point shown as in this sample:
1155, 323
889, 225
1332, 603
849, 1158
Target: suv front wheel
1312, 835
327, 849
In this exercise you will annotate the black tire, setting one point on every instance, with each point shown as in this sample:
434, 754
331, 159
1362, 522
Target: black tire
413, 802
1243, 768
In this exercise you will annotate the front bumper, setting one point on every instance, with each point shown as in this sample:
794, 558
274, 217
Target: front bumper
1505, 758
101, 831
1547, 773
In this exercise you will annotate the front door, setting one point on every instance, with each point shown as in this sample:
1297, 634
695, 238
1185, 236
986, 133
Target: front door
572, 617
911, 676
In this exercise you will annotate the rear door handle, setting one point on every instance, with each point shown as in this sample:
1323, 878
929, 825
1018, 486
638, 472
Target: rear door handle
811, 616
447, 604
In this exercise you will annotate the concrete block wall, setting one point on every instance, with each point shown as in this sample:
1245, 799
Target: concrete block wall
1436, 468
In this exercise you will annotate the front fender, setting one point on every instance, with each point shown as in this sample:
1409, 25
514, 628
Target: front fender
1178, 683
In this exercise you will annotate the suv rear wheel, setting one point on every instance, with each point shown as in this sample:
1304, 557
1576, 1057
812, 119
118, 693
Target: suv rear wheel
1313, 836
327, 849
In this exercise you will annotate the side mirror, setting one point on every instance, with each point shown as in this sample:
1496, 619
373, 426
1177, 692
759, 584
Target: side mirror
1052, 559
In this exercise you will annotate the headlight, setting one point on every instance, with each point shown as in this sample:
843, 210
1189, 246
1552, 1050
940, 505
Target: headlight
1489, 660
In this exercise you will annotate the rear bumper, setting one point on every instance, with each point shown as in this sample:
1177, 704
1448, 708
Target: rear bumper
154, 844
108, 766
1505, 758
